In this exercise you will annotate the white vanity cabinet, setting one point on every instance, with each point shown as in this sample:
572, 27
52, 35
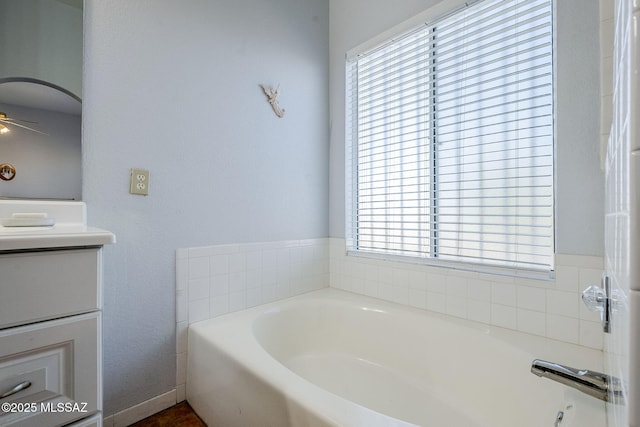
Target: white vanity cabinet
51, 325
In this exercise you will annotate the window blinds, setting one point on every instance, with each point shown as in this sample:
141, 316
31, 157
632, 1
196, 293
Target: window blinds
450, 139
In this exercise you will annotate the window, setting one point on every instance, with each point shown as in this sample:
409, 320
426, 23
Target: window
450, 139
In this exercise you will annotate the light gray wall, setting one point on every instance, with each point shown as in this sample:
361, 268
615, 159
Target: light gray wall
47, 166
174, 87
42, 39
579, 180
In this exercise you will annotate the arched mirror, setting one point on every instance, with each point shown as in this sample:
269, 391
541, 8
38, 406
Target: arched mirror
40, 99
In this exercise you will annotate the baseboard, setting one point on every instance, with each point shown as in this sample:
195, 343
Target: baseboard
141, 410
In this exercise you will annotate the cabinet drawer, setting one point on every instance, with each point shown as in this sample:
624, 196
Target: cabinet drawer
36, 286
50, 371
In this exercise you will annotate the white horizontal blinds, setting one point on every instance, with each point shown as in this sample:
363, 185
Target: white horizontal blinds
451, 136
392, 123
494, 134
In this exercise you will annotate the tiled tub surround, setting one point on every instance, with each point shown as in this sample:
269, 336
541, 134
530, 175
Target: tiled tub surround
547, 308
216, 280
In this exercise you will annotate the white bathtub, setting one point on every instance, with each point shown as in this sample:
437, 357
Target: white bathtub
331, 358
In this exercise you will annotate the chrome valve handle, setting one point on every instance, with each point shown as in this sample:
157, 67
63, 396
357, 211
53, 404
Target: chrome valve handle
600, 299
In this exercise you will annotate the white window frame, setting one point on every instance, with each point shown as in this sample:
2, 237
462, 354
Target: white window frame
429, 17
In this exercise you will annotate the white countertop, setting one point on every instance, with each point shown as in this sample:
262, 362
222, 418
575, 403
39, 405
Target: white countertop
57, 236
69, 230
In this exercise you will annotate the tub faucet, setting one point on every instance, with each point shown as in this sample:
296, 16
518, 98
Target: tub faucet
596, 384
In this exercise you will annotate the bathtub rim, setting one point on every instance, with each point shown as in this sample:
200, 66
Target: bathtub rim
332, 408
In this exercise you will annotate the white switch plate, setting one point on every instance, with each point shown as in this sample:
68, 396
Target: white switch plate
139, 182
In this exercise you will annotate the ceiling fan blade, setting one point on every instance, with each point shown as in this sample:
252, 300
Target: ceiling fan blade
12, 123
11, 119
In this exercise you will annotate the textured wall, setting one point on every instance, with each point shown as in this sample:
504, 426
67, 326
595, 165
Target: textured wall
174, 87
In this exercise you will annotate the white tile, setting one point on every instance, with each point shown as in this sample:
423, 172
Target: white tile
182, 273
456, 287
418, 280
237, 262
534, 299
532, 322
254, 297
198, 288
479, 311
219, 264
198, 310
283, 290
269, 293
400, 293
479, 290
182, 305
456, 306
357, 286
563, 303
563, 328
591, 334
436, 302
590, 276
237, 301
417, 298
219, 285
203, 251
268, 277
182, 329
385, 291
253, 278
359, 270
437, 283
567, 278
371, 289
269, 259
254, 260
198, 267
400, 277
181, 368
386, 274
237, 281
504, 316
503, 294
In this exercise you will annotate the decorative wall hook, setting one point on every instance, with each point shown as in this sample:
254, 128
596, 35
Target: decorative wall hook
272, 96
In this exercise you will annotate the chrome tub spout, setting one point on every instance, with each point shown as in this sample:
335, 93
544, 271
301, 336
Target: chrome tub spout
596, 384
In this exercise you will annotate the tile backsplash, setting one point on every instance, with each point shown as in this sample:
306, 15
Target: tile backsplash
215, 280
220, 279
550, 308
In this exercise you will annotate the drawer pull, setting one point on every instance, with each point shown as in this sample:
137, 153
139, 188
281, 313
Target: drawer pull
22, 386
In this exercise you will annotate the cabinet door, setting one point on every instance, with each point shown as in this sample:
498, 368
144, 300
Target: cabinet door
36, 286
50, 372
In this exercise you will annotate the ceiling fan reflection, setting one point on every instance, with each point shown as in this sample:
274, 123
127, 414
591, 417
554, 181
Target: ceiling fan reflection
6, 122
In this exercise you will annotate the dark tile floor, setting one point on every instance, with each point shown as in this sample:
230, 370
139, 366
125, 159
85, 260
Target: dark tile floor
180, 415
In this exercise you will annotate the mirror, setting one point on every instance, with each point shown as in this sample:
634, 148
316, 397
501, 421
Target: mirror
40, 98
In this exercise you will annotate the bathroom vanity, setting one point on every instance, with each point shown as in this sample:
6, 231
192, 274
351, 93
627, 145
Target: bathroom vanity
50, 315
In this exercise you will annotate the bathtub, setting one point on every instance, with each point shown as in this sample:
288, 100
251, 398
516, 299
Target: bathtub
331, 358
